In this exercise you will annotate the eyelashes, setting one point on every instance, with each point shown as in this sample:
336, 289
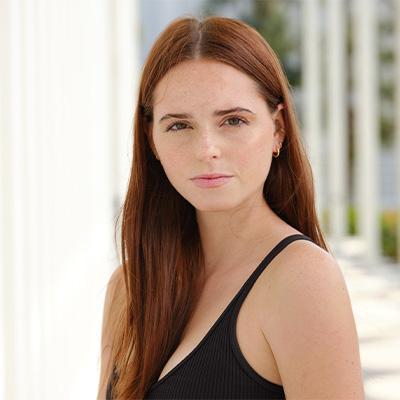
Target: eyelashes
243, 121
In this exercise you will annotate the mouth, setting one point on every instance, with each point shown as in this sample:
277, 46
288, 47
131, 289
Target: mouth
212, 176
207, 182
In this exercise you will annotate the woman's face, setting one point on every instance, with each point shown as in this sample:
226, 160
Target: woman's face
207, 140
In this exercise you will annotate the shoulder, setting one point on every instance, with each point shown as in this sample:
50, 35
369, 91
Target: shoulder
116, 279
304, 267
310, 325
114, 289
113, 303
114, 297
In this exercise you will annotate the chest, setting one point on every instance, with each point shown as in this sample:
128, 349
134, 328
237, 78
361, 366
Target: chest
249, 338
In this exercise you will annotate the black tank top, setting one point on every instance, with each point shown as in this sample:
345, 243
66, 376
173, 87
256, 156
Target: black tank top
216, 367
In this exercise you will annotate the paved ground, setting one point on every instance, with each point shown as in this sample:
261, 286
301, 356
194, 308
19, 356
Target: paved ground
375, 295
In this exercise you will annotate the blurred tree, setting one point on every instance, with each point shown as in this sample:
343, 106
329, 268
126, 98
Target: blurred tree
386, 30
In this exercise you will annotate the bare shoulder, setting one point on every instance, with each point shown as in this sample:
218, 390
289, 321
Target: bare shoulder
116, 277
114, 295
113, 303
310, 326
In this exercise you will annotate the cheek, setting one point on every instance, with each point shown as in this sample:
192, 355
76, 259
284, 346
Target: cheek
175, 164
171, 148
255, 155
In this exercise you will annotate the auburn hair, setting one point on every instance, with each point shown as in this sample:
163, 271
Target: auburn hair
160, 243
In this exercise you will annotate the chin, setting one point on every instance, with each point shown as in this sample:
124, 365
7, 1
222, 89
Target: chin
209, 199
213, 204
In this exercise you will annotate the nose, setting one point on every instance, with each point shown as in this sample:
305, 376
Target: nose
207, 146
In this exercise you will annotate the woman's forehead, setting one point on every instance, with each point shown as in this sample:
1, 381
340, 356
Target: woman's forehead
191, 85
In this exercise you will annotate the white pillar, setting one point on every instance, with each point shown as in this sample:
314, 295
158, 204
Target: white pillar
366, 111
14, 259
57, 174
337, 188
33, 269
125, 30
311, 109
6, 274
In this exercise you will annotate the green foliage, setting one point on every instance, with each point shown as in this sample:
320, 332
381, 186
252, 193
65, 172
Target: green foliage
386, 130
388, 220
325, 220
351, 220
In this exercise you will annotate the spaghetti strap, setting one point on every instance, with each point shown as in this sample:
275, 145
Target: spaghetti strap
268, 258
214, 368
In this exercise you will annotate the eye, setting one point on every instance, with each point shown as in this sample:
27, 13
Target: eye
175, 130
238, 119
235, 118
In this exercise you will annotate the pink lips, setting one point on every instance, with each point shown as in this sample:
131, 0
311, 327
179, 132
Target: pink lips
211, 180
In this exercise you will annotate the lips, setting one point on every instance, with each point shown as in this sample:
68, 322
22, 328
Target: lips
211, 176
211, 180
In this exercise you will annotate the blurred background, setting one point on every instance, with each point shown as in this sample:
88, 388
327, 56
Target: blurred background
69, 72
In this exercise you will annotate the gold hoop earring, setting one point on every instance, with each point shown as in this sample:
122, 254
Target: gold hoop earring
278, 151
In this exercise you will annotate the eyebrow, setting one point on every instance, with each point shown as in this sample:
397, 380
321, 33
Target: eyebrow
216, 113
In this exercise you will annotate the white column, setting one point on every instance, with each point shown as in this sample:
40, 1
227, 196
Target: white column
33, 272
337, 120
366, 111
397, 117
311, 96
46, 133
15, 209
58, 168
125, 27
7, 348
5, 204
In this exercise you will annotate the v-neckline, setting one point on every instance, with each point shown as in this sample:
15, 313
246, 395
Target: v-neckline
192, 352
219, 319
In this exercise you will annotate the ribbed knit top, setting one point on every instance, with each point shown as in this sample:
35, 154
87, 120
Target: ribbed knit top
216, 368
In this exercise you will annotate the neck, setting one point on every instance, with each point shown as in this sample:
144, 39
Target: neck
228, 236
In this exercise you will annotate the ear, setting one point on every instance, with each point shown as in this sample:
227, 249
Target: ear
279, 122
155, 153
151, 141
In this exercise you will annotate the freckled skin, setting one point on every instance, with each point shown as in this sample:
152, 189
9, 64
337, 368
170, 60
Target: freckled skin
206, 143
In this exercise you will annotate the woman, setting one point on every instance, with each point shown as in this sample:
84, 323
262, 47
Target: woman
220, 189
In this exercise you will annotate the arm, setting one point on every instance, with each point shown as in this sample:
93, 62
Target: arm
311, 329
112, 303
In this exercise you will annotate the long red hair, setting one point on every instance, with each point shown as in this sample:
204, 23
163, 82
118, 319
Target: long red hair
160, 243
